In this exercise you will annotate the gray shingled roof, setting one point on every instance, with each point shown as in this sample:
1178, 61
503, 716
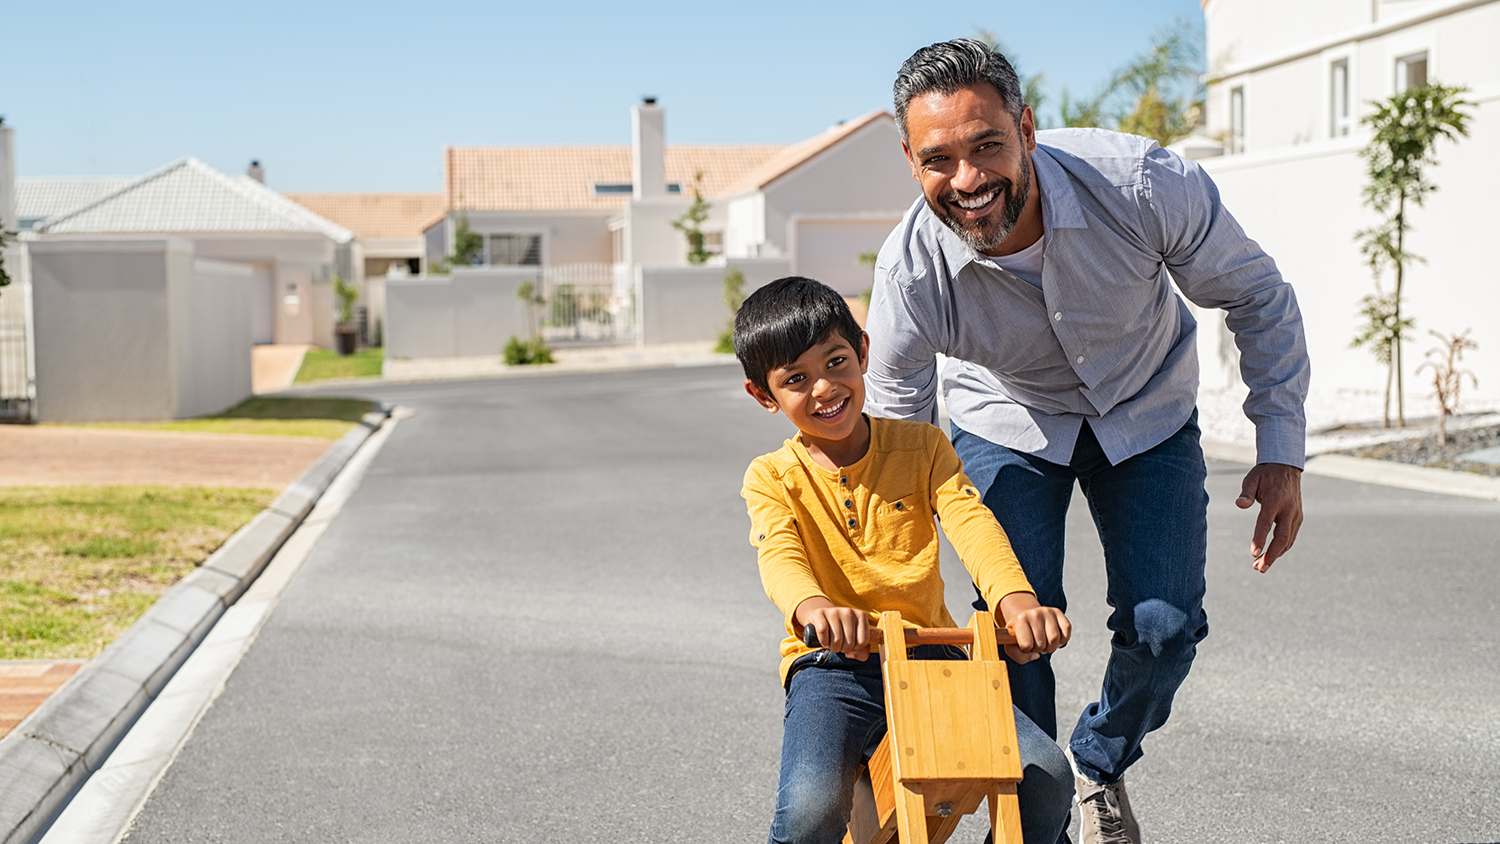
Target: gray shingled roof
40, 198
188, 196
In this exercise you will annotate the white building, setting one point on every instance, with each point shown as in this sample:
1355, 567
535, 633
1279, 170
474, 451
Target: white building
1291, 81
292, 252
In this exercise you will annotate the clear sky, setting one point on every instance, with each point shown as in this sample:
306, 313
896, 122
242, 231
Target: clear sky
363, 96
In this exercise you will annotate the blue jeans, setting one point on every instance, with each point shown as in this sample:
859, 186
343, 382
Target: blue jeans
835, 718
1151, 512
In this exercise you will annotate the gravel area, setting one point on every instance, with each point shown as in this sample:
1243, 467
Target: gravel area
1349, 422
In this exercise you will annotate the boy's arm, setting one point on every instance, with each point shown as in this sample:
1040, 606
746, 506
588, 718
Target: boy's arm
785, 571
985, 551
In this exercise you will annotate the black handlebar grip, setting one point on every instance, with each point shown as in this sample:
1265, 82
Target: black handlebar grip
810, 636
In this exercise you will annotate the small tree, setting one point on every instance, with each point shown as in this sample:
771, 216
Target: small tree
1407, 128
1158, 95
1383, 327
691, 223
533, 349
468, 245
1447, 377
347, 294
734, 296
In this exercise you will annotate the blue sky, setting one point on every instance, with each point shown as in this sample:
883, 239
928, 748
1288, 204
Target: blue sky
362, 97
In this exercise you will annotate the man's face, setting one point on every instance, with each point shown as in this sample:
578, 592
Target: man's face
974, 164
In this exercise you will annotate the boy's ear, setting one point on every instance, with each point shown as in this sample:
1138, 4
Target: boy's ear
864, 353
761, 396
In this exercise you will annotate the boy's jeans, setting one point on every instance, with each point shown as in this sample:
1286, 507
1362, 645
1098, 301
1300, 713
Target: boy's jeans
1151, 512
835, 718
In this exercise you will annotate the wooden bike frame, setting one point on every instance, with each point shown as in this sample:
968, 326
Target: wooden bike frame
951, 739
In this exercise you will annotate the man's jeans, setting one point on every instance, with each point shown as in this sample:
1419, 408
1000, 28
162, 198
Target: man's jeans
1151, 512
835, 718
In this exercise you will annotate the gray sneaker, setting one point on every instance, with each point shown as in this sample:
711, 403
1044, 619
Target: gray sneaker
1104, 810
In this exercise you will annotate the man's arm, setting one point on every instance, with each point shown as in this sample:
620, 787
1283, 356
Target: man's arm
902, 379
1216, 265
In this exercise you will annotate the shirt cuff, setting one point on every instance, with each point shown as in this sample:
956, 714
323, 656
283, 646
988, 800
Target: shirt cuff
1281, 441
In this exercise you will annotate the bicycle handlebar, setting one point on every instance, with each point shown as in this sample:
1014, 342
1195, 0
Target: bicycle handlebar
921, 636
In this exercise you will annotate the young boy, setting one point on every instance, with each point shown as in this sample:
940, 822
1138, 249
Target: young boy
842, 520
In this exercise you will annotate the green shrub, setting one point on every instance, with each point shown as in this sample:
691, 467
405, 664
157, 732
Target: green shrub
520, 352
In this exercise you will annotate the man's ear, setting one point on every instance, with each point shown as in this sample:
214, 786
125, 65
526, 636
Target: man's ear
1028, 129
761, 396
864, 353
912, 161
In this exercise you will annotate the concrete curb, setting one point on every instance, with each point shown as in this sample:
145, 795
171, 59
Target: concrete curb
1381, 472
48, 755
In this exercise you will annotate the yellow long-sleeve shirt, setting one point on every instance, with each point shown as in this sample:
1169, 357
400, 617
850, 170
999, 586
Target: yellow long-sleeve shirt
864, 537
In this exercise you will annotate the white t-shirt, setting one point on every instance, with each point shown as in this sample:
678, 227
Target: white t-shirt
1026, 264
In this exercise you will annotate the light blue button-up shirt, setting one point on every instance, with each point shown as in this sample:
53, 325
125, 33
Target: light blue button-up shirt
1105, 338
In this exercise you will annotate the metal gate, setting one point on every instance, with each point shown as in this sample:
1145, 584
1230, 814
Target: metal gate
586, 304
17, 369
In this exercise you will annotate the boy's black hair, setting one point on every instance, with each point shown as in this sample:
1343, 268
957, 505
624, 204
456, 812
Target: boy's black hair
785, 318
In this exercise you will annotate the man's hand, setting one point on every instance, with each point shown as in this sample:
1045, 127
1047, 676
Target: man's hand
1278, 488
843, 630
1039, 630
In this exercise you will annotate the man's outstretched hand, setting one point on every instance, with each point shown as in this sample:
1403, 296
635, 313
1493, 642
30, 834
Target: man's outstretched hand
1278, 488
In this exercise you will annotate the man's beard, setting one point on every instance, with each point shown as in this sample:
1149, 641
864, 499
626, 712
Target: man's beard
991, 230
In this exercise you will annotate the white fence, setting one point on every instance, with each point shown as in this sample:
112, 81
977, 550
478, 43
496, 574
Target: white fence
474, 311
17, 368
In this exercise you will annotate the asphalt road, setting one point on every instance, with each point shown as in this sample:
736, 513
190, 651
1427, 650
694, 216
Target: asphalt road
539, 620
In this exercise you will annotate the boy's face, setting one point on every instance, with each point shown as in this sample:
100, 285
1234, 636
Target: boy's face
823, 391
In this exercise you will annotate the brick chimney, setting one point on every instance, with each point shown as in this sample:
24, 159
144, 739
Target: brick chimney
648, 150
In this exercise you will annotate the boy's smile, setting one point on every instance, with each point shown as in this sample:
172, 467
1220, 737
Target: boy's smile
822, 392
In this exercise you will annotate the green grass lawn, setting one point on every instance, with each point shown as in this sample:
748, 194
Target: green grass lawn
319, 364
79, 565
322, 418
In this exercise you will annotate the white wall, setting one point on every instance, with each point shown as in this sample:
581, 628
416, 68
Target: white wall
210, 323
129, 329
828, 249
471, 313
1304, 206
650, 236
864, 174
686, 303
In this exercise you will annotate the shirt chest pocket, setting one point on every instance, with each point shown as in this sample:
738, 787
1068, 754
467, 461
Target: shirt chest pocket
900, 526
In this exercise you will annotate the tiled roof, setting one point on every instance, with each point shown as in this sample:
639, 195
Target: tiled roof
39, 198
376, 215
794, 156
559, 178
189, 196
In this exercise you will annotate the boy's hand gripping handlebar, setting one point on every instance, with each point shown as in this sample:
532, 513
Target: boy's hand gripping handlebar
921, 636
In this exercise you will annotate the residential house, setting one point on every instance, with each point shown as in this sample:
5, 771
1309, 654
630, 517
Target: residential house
387, 230
1291, 82
292, 252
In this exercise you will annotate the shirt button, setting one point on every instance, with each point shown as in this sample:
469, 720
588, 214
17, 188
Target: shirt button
898, 505
1078, 359
1057, 316
844, 480
848, 502
852, 523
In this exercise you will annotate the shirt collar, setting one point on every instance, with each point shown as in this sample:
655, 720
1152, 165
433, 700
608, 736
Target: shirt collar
1060, 210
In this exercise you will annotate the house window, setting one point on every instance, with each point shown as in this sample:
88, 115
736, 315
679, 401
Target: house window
674, 187
713, 243
1411, 72
1237, 120
612, 188
515, 249
1338, 87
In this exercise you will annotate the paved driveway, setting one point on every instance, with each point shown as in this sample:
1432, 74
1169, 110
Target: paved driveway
538, 620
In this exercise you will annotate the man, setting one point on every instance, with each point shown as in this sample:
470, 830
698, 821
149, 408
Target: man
1040, 266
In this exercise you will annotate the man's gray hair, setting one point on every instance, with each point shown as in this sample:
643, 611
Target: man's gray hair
950, 66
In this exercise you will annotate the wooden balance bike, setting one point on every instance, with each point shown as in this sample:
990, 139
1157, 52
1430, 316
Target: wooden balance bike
950, 739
